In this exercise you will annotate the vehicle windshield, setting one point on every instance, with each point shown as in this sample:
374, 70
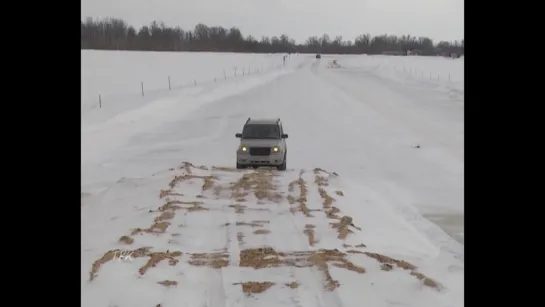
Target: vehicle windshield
261, 132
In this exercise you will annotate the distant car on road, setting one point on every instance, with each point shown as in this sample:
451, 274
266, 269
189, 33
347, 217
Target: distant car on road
318, 56
262, 143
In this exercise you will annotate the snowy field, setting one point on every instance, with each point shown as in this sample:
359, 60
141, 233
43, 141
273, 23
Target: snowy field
120, 77
375, 155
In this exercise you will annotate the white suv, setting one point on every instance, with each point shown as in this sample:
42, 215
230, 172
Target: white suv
262, 143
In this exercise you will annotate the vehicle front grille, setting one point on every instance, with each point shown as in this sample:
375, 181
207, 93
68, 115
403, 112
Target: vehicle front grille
260, 151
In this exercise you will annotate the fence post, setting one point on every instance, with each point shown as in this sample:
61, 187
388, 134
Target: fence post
142, 86
195, 81
224, 75
243, 71
169, 87
235, 71
99, 101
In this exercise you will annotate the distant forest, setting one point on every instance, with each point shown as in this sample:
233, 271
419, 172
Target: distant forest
116, 34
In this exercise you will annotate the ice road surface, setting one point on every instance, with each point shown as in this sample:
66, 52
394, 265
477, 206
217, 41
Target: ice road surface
369, 212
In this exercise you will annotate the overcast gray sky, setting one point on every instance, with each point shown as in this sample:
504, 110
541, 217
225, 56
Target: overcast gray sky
299, 19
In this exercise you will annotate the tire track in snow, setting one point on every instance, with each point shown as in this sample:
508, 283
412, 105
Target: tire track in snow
312, 275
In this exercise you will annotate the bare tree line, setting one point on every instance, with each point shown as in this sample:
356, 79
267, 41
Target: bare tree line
116, 34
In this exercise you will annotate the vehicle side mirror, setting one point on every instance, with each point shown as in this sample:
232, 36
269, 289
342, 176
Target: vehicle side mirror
238, 135
284, 136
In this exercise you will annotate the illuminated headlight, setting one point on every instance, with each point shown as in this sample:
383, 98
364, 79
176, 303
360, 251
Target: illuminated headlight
243, 148
275, 149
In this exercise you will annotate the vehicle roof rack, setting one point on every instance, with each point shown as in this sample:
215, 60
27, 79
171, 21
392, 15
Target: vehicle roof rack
278, 120
248, 120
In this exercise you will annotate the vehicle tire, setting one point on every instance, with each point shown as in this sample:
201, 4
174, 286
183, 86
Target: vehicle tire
239, 166
282, 167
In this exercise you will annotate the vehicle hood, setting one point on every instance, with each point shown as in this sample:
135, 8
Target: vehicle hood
259, 142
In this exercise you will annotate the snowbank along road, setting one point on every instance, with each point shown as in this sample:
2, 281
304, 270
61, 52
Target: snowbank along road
167, 220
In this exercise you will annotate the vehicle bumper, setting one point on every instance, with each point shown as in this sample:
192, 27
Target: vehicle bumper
273, 159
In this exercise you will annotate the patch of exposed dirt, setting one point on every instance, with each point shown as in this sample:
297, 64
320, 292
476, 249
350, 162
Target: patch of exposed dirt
226, 169
342, 227
332, 213
386, 267
187, 166
309, 231
251, 287
238, 208
127, 240
291, 199
328, 200
191, 206
155, 257
156, 228
208, 182
168, 283
166, 215
426, 280
320, 261
174, 205
388, 262
321, 181
260, 183
261, 231
353, 251
213, 260
252, 224
303, 192
196, 207
318, 170
293, 285
168, 192
361, 245
163, 193
259, 258
385, 259
349, 266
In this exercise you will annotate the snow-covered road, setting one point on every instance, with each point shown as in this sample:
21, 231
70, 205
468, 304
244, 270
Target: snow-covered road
389, 153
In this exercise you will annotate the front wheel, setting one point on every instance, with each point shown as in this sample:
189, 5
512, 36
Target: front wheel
282, 167
240, 166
